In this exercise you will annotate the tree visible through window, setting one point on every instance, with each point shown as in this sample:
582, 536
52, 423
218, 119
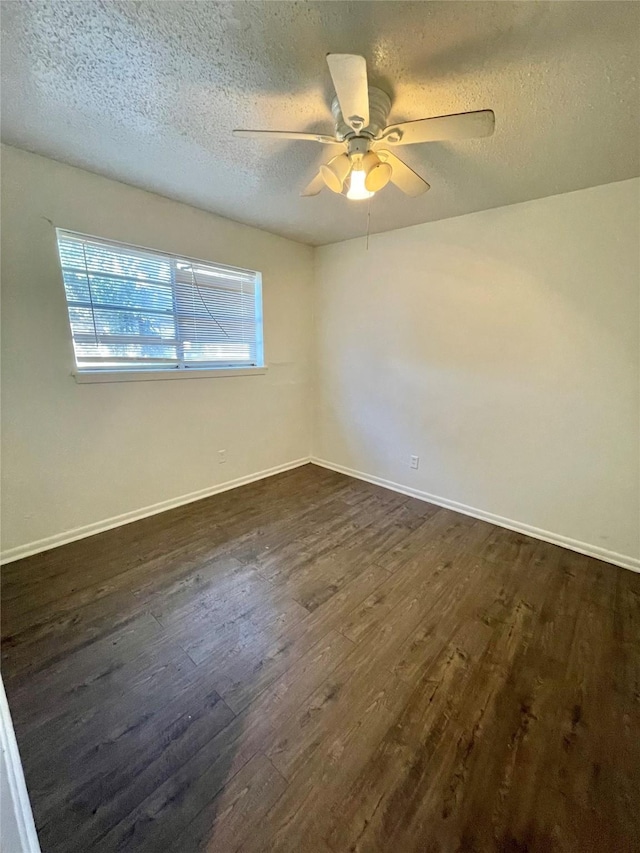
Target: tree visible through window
132, 308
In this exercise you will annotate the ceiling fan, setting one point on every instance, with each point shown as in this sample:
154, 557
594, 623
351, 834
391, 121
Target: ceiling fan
360, 112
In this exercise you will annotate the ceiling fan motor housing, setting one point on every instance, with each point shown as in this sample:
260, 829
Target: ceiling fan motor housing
379, 106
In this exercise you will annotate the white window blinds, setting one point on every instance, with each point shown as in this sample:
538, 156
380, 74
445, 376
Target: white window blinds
132, 308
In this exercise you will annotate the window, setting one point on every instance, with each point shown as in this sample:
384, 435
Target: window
132, 309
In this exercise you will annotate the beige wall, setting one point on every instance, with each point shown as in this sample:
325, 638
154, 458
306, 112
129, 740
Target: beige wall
76, 454
500, 347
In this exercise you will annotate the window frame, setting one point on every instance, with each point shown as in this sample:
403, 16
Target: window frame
181, 370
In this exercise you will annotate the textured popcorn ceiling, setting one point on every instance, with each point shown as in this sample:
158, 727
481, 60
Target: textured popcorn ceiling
149, 92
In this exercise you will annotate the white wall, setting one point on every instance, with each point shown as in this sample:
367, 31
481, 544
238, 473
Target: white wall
17, 829
78, 454
502, 348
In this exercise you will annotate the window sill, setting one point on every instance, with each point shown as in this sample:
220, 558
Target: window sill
83, 377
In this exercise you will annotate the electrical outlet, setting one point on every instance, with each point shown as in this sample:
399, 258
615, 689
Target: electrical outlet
415, 461
222, 456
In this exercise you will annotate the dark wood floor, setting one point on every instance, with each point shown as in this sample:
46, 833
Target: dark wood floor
311, 663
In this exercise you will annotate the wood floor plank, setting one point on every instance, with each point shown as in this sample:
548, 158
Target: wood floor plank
353, 685
204, 638
59, 627
252, 669
410, 591
122, 710
311, 662
193, 785
422, 765
131, 767
315, 794
236, 812
441, 533
75, 671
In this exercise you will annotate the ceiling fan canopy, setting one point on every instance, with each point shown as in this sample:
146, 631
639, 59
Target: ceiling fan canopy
360, 114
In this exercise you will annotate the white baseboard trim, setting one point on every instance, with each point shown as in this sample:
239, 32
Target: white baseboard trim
17, 829
616, 559
46, 544
57, 539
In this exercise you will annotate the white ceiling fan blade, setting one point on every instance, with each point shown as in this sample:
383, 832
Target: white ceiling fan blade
402, 176
440, 128
287, 134
349, 75
314, 186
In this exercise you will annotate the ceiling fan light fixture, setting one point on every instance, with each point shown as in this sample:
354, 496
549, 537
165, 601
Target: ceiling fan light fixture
357, 190
378, 177
334, 173
377, 173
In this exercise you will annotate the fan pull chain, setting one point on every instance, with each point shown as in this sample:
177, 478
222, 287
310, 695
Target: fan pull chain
368, 221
